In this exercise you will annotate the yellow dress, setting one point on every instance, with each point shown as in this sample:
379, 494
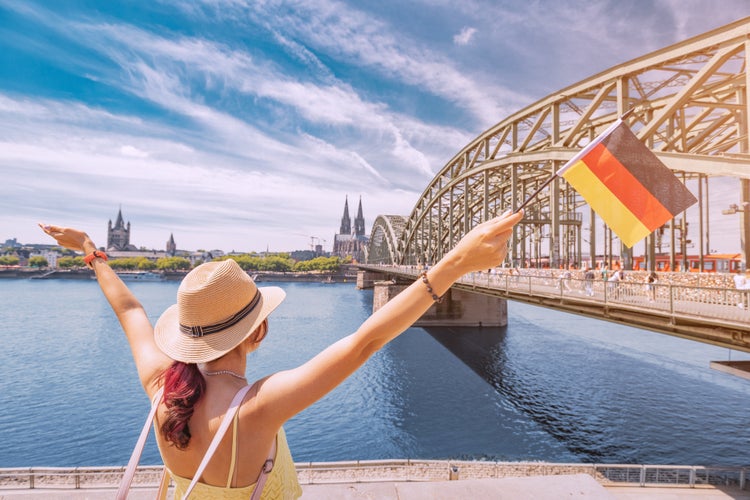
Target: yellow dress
281, 483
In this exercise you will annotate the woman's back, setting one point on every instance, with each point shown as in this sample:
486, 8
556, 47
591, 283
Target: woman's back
281, 482
254, 439
244, 449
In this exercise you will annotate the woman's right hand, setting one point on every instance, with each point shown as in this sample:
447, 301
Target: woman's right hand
73, 239
485, 246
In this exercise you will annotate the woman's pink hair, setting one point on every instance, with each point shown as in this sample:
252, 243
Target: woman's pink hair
184, 386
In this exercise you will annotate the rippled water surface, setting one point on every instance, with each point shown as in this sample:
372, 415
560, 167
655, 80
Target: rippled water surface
551, 386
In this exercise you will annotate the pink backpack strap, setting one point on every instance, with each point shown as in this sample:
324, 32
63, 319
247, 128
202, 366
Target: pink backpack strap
233, 407
127, 478
135, 457
265, 471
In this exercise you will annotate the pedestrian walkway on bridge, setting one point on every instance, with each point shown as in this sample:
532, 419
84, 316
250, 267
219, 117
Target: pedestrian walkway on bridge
689, 305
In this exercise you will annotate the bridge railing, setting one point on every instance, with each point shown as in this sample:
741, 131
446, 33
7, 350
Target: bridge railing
147, 478
705, 302
720, 303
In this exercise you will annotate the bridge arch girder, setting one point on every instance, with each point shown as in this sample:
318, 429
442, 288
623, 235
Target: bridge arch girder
384, 237
690, 106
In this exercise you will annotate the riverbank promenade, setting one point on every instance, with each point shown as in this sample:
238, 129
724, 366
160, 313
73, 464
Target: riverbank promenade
578, 486
422, 480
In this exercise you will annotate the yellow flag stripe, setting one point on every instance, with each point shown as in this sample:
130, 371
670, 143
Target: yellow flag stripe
627, 226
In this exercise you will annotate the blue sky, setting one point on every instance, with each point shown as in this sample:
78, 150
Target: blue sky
243, 125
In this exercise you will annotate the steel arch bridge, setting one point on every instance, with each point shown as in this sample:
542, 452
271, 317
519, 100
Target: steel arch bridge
690, 106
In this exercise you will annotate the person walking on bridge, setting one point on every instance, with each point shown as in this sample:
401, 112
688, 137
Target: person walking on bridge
613, 283
589, 277
651, 280
196, 355
742, 283
565, 278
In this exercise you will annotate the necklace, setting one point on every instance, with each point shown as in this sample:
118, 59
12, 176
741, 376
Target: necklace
225, 372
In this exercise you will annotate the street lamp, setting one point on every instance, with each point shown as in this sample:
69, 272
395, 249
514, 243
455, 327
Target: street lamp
735, 208
742, 208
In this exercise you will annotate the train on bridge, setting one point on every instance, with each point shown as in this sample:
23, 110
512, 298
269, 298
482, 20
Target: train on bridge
712, 263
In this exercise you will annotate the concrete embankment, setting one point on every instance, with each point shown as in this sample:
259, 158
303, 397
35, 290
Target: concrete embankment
19, 273
422, 479
305, 277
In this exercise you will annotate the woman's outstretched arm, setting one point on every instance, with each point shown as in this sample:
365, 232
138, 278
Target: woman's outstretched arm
284, 394
149, 360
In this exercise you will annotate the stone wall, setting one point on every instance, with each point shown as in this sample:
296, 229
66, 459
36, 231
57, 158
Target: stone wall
458, 307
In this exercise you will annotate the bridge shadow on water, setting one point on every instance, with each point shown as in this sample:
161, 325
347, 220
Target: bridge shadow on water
478, 348
484, 351
605, 402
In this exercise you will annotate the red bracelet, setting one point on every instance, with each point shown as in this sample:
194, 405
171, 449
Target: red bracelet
94, 255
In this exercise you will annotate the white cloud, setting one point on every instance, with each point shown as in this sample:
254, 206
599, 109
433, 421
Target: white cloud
165, 70
355, 37
465, 36
129, 150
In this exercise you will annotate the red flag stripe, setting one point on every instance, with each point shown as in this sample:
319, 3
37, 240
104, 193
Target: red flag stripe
621, 182
617, 216
643, 164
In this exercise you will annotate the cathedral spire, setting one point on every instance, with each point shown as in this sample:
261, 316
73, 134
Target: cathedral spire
347, 245
359, 221
346, 222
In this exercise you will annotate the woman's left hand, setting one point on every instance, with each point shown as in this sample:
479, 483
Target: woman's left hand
73, 239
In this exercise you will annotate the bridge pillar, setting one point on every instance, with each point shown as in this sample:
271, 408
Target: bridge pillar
458, 308
365, 279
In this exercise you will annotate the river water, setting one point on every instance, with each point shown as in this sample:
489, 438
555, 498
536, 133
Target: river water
550, 386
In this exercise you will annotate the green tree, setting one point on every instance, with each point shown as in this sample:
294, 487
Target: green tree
319, 264
173, 263
124, 264
9, 260
329, 263
275, 263
70, 262
38, 261
302, 266
145, 264
245, 261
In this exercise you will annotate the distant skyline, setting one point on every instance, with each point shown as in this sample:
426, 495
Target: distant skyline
244, 125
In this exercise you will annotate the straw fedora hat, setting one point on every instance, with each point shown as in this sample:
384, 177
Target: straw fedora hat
218, 306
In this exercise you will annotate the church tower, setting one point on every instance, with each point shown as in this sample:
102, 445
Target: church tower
171, 247
118, 237
359, 221
346, 222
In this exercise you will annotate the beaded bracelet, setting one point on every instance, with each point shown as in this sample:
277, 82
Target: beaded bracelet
426, 282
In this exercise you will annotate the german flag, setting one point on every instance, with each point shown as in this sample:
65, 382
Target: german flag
625, 183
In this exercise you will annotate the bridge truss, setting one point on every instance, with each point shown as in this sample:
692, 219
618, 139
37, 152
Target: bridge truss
690, 106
